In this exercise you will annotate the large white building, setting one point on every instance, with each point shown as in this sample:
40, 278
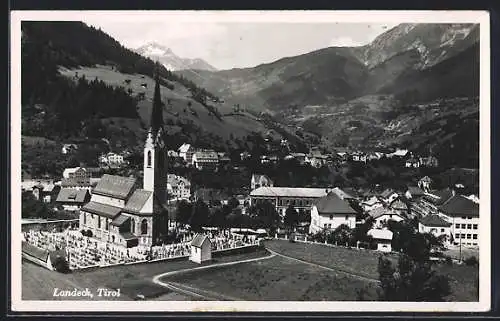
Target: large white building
463, 214
301, 198
331, 211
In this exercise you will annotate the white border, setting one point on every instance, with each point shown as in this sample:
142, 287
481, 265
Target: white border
481, 17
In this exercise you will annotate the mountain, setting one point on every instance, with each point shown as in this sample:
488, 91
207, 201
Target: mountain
170, 60
433, 43
334, 75
95, 88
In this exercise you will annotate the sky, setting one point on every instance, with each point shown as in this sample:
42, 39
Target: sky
234, 44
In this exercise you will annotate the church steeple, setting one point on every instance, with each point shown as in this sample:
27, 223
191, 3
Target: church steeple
157, 112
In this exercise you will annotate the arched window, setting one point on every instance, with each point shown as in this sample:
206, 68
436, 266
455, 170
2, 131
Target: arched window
149, 158
144, 226
132, 226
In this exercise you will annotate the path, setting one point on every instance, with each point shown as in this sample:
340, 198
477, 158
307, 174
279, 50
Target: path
199, 293
361, 277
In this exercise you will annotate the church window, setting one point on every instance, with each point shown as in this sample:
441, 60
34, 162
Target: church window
149, 158
144, 227
132, 226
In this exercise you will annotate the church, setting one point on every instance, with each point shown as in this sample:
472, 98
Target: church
122, 213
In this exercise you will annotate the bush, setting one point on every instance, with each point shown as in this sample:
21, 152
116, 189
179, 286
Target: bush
471, 261
61, 265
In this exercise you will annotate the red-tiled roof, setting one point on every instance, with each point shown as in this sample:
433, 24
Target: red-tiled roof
332, 203
115, 186
459, 205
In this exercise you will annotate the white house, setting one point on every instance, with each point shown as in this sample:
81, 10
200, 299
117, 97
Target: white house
201, 249
178, 187
259, 181
383, 238
112, 159
72, 199
371, 203
331, 211
205, 159
186, 152
435, 225
383, 215
425, 183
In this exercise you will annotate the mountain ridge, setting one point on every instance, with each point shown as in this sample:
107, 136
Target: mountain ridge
170, 60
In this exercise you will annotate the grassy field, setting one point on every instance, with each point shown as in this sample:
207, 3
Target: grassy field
360, 262
276, 279
464, 280
179, 99
39, 283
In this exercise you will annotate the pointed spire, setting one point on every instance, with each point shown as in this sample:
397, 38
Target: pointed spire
157, 112
149, 139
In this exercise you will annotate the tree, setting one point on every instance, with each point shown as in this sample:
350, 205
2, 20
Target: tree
233, 202
199, 216
342, 234
291, 218
411, 281
184, 210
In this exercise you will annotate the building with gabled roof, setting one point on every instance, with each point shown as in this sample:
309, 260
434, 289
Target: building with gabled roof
259, 180
331, 211
383, 238
463, 214
414, 192
382, 215
71, 199
437, 226
201, 249
122, 213
399, 206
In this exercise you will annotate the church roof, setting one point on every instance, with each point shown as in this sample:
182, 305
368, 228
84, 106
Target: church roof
115, 186
120, 220
137, 201
100, 209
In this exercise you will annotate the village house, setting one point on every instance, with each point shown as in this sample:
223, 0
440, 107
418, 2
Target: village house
383, 215
259, 181
412, 162
43, 190
425, 183
245, 155
371, 156
71, 199
359, 157
400, 153
463, 214
430, 161
112, 160
383, 238
413, 193
186, 151
430, 202
178, 187
121, 213
371, 203
437, 226
388, 195
399, 207
211, 196
68, 148
205, 159
329, 212
300, 157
